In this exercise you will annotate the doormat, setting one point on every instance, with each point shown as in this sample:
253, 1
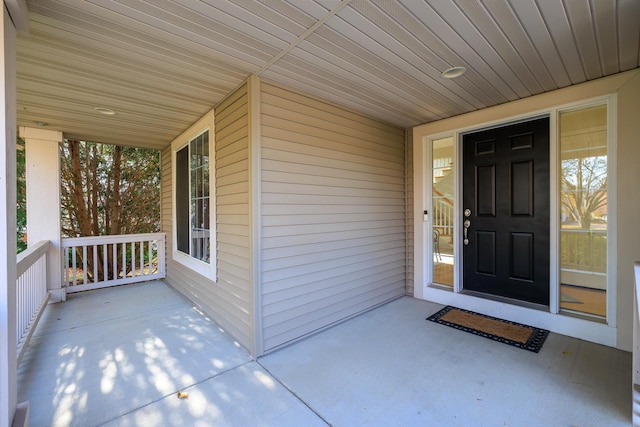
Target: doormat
504, 331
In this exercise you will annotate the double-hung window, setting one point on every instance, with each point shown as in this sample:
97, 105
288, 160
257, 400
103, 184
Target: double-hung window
194, 237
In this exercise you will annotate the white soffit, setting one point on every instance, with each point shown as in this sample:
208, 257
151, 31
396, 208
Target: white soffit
161, 64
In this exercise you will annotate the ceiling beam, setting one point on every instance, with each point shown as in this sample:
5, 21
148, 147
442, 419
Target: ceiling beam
301, 37
19, 13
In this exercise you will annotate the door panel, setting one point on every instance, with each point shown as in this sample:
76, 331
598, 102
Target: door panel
522, 256
486, 190
522, 188
506, 187
486, 250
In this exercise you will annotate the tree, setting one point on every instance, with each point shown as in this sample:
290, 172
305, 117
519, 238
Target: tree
21, 196
584, 192
108, 190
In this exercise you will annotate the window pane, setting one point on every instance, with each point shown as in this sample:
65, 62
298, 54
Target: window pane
205, 213
194, 183
182, 200
442, 211
193, 146
583, 195
205, 147
200, 197
205, 180
192, 198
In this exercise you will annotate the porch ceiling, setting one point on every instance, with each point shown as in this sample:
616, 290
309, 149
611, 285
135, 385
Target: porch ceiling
162, 64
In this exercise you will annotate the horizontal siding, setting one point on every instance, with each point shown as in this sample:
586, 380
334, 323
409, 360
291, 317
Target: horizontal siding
409, 217
165, 202
315, 107
335, 309
382, 273
232, 209
229, 300
165, 195
327, 246
318, 146
333, 209
347, 139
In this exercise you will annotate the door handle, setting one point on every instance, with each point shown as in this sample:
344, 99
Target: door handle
466, 224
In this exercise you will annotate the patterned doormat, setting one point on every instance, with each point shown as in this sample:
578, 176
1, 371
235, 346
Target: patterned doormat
515, 334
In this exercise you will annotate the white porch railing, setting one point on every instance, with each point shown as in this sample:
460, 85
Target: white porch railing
31, 292
584, 250
102, 261
442, 215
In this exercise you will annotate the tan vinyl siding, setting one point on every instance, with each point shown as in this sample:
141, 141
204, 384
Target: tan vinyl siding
409, 208
333, 214
165, 201
229, 300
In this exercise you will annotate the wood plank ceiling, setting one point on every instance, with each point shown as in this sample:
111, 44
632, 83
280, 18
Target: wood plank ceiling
161, 64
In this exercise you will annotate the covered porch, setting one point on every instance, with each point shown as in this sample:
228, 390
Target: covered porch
388, 366
311, 109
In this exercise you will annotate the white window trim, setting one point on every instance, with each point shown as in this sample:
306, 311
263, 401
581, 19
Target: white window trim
208, 270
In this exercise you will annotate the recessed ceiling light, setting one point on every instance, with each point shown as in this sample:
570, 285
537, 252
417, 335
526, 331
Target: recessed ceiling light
105, 111
453, 72
39, 123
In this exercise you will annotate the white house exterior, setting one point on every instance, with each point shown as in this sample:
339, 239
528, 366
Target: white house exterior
312, 209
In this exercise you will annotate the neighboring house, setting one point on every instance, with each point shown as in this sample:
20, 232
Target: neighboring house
288, 209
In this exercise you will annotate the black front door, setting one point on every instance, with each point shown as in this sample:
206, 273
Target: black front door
506, 211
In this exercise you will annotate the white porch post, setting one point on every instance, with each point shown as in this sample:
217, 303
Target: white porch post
43, 200
8, 392
8, 381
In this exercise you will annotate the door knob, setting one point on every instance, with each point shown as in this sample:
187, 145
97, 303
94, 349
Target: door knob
466, 225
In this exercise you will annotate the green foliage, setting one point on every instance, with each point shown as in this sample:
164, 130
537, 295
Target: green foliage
108, 189
21, 196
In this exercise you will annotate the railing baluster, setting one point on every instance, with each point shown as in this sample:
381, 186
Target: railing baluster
84, 265
65, 267
31, 292
95, 264
115, 261
105, 269
20, 304
141, 258
133, 259
135, 244
150, 257
124, 260
74, 265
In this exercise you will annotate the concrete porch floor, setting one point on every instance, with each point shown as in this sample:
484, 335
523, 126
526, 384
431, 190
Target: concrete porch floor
119, 356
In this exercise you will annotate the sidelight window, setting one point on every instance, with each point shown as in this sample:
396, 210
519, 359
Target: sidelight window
442, 211
583, 210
